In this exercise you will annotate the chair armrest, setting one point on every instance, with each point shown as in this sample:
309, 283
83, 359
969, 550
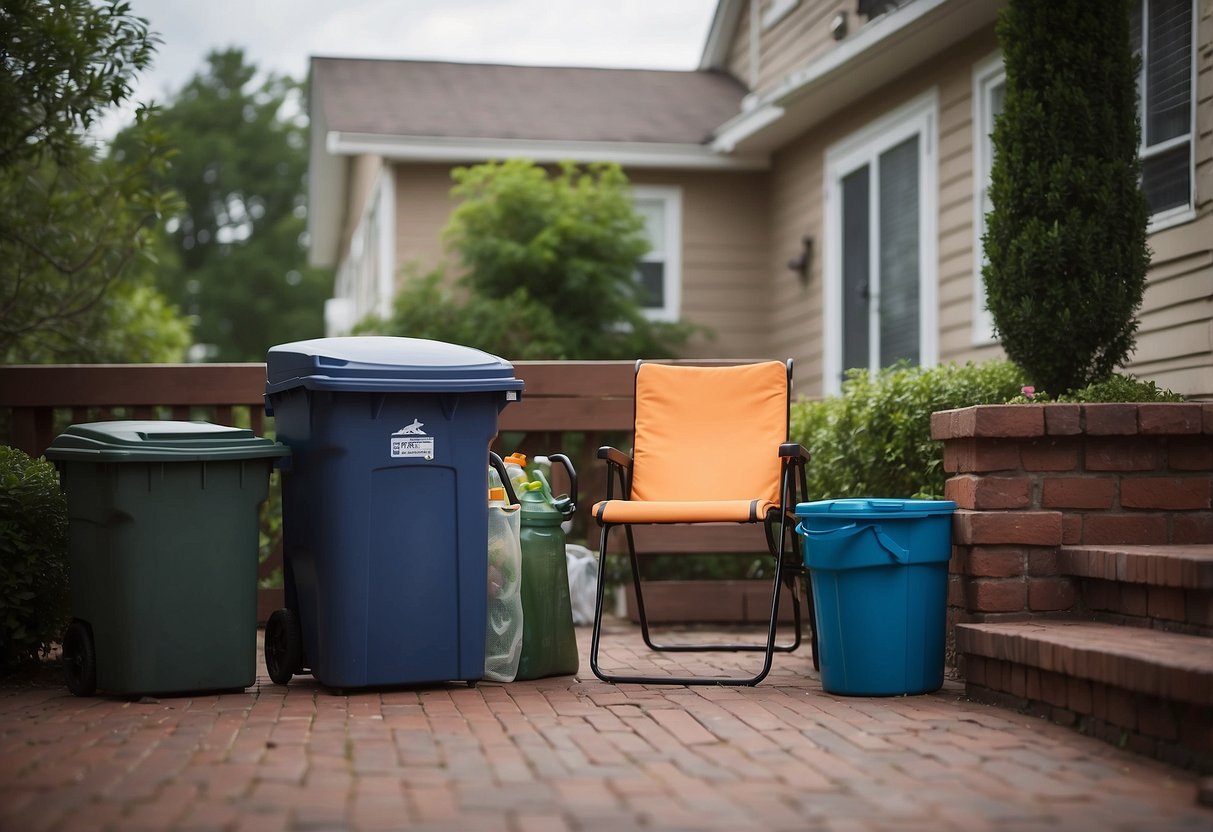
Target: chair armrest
791, 449
614, 456
617, 463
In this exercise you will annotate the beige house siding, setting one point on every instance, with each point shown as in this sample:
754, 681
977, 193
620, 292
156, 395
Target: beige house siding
959, 271
724, 253
1175, 339
801, 36
423, 207
798, 196
725, 269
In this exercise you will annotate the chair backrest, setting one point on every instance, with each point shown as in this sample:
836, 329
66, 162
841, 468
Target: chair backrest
709, 433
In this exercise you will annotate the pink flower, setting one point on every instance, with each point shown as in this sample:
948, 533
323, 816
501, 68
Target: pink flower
1029, 391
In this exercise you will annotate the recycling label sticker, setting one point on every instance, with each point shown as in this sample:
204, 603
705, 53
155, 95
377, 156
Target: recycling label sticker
413, 447
411, 442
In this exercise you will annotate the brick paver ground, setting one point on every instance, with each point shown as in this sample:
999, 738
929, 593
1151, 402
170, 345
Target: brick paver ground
569, 753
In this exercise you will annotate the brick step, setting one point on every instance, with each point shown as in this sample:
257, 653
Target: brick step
1145, 689
1164, 587
1183, 566
1155, 663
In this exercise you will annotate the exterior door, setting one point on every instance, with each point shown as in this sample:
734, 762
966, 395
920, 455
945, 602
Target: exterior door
880, 281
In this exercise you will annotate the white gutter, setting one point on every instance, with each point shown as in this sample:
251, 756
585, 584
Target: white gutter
465, 150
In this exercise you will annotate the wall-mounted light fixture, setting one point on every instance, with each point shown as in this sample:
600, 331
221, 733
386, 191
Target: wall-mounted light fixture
803, 259
838, 26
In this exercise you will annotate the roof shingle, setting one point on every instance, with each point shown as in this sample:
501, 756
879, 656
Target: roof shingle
485, 101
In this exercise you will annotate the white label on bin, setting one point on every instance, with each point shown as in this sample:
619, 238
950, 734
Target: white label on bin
413, 447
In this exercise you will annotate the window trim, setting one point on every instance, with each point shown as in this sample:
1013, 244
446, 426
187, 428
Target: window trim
1182, 213
671, 198
987, 74
919, 116
366, 280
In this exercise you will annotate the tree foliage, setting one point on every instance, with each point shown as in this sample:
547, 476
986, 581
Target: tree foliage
566, 241
1066, 240
76, 225
239, 167
513, 326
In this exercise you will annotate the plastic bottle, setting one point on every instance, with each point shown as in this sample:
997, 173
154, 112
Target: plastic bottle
549, 643
515, 466
504, 622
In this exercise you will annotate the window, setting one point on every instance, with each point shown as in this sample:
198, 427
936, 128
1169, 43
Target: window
989, 89
1162, 34
880, 257
659, 272
366, 277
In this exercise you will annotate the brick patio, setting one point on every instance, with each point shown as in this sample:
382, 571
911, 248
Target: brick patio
568, 754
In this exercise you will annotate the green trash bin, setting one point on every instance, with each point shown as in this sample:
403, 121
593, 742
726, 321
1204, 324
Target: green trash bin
164, 532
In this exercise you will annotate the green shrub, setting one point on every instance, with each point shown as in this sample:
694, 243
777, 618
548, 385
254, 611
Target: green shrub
1122, 388
874, 440
33, 557
1066, 241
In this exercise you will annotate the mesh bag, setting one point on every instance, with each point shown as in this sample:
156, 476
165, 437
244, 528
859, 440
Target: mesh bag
503, 633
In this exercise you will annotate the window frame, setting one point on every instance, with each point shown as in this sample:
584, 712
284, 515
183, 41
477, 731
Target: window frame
670, 196
919, 116
987, 75
366, 278
1181, 213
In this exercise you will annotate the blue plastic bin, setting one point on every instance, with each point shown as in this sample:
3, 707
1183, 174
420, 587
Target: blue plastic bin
879, 570
385, 516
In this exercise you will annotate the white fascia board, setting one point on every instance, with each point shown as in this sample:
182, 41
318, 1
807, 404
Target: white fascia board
464, 151
720, 34
744, 125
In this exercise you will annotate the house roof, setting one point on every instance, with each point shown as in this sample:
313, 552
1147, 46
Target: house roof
487, 101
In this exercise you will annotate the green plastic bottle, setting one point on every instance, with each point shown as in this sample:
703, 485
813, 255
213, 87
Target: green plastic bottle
549, 642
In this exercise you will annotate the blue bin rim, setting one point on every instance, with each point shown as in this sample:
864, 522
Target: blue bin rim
382, 363
875, 507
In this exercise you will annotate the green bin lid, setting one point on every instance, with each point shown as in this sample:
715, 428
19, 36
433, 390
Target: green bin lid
157, 441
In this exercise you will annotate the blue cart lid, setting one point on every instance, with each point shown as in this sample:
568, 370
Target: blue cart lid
157, 441
875, 508
379, 363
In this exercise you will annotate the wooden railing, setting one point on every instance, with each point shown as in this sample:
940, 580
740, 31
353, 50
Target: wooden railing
571, 407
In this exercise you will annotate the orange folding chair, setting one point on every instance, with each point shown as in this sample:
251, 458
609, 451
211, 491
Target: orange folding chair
710, 446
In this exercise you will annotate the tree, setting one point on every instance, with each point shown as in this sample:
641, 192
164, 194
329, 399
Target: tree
239, 168
568, 241
76, 225
1066, 240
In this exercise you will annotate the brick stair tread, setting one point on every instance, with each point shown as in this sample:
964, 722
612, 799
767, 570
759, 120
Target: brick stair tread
1167, 665
1187, 566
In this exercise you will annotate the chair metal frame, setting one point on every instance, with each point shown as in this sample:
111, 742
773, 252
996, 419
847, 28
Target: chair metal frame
789, 567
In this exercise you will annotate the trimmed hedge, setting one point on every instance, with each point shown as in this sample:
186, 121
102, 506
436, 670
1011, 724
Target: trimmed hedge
874, 440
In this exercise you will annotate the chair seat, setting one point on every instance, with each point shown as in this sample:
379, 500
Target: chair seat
699, 511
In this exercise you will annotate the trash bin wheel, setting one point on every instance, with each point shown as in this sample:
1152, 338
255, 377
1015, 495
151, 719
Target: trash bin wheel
79, 659
283, 646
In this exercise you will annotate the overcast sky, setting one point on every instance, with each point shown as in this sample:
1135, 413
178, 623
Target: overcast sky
280, 35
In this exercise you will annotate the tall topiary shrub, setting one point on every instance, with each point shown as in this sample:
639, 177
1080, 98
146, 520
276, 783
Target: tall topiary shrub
1066, 241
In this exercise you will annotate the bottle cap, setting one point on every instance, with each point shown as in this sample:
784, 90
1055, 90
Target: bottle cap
533, 485
517, 459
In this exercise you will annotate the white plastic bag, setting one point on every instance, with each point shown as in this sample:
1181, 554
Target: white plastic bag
503, 631
583, 582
